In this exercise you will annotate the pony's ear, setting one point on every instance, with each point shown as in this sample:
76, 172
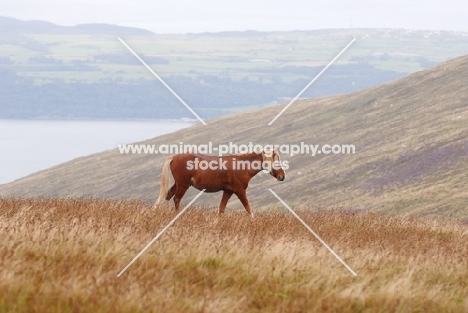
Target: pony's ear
275, 149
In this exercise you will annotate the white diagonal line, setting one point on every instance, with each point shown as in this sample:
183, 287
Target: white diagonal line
313, 233
161, 232
312, 81
162, 81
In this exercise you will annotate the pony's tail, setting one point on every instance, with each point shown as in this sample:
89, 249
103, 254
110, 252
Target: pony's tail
164, 181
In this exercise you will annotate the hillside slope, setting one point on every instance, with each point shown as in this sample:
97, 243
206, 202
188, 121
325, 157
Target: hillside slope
411, 139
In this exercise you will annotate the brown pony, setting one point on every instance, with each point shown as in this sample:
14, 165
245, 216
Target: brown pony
231, 174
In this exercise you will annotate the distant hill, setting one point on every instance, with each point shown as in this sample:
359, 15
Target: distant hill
49, 71
411, 139
14, 26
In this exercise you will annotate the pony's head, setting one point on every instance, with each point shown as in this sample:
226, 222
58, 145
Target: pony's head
271, 163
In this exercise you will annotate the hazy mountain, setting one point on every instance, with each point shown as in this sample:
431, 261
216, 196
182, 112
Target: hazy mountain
14, 26
49, 71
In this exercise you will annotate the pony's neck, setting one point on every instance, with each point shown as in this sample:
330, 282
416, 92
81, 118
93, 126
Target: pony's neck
251, 157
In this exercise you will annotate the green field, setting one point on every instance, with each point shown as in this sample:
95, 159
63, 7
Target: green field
217, 73
236, 55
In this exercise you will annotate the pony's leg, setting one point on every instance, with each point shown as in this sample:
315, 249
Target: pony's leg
179, 193
243, 199
224, 200
171, 192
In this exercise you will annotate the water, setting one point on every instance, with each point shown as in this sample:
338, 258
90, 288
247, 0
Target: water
30, 146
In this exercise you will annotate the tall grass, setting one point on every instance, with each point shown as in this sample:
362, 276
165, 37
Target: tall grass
63, 255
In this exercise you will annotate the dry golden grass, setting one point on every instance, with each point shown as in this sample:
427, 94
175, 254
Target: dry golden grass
63, 255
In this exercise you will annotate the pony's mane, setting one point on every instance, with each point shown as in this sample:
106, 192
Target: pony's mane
247, 153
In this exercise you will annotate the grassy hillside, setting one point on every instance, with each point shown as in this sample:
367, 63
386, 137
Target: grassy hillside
411, 152
63, 255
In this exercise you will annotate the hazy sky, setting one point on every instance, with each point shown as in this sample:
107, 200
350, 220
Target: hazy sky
175, 16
